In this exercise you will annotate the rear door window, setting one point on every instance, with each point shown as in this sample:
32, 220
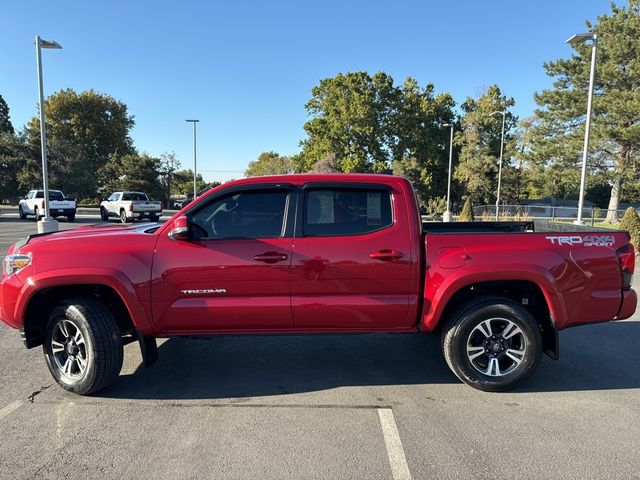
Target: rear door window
344, 211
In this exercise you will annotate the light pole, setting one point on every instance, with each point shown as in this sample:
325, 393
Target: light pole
195, 189
504, 117
574, 40
446, 217
47, 224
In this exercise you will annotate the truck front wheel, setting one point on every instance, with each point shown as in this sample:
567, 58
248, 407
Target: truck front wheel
123, 216
83, 348
492, 344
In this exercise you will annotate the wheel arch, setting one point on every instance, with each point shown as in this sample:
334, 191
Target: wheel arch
526, 293
34, 303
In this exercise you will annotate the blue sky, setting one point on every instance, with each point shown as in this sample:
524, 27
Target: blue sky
246, 69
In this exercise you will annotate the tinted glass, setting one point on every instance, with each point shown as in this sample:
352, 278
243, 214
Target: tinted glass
245, 214
335, 212
53, 194
134, 196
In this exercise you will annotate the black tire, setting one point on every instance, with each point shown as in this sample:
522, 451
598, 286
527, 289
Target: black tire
104, 216
100, 335
21, 213
123, 216
36, 213
502, 359
153, 218
71, 217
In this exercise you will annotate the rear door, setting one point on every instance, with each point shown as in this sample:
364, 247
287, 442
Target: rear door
352, 259
233, 273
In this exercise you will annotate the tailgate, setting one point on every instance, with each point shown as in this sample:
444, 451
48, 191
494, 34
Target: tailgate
140, 206
62, 204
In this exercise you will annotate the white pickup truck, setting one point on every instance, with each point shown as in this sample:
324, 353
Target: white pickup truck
59, 206
128, 206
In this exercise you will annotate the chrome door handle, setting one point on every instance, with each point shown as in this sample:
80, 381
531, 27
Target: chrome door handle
386, 255
271, 257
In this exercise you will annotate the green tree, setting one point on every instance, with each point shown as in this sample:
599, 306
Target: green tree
419, 143
5, 122
479, 143
350, 119
169, 164
137, 172
88, 129
631, 223
12, 157
183, 182
364, 123
327, 164
467, 212
269, 163
615, 139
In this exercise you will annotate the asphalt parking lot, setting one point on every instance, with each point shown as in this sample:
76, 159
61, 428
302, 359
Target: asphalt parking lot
323, 406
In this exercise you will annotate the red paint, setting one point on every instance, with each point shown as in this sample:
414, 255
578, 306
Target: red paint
393, 279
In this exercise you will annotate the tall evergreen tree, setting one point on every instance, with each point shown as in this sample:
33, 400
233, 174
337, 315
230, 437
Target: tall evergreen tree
615, 138
5, 122
479, 143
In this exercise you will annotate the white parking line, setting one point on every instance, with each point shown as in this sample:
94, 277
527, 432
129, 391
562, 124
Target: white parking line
397, 460
4, 411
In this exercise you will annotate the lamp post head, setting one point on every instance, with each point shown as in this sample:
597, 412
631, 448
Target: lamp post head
447, 125
192, 120
580, 38
49, 44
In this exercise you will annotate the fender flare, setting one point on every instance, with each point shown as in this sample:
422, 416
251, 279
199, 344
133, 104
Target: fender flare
455, 282
109, 277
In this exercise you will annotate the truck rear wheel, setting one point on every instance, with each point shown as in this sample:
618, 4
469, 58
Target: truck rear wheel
123, 216
492, 344
83, 348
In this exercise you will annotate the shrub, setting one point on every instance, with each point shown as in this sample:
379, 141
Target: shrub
631, 223
467, 212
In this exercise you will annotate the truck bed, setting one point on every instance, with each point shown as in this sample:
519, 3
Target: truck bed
506, 227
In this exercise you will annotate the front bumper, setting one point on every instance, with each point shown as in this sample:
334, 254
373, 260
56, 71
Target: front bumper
145, 214
10, 288
62, 212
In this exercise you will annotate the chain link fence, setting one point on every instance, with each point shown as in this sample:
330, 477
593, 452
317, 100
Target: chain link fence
543, 212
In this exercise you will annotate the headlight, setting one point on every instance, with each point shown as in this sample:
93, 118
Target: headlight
16, 262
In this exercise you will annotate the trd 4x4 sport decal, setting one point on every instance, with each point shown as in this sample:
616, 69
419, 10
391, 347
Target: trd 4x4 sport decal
586, 241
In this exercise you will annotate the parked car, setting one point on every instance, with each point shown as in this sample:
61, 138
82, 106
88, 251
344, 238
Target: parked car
59, 206
309, 254
128, 206
178, 203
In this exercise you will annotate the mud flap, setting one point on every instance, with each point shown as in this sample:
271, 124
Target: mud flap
148, 350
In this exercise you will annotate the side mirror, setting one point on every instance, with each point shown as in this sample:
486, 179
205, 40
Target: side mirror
179, 228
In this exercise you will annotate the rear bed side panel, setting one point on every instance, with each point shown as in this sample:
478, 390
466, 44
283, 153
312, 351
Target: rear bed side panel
580, 281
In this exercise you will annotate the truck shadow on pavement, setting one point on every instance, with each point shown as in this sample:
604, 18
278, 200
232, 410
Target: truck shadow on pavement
597, 357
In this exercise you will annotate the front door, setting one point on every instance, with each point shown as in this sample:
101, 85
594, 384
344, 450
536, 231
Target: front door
233, 272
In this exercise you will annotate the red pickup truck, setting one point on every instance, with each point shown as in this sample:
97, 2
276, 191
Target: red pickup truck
312, 253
